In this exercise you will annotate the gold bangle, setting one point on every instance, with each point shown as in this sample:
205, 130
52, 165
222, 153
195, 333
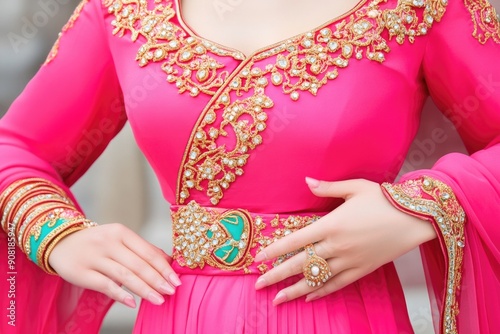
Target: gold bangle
45, 264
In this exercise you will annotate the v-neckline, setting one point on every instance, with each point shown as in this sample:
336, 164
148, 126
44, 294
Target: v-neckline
242, 55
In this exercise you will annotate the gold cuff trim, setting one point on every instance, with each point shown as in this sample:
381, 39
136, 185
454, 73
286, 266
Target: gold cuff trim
431, 198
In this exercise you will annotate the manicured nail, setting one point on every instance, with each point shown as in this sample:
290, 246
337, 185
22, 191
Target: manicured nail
155, 298
280, 298
313, 183
261, 282
174, 279
260, 257
167, 288
311, 297
129, 301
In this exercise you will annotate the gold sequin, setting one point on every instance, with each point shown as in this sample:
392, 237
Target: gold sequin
186, 60
55, 48
302, 64
444, 208
485, 19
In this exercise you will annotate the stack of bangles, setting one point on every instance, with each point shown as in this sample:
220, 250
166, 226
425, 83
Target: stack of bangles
38, 214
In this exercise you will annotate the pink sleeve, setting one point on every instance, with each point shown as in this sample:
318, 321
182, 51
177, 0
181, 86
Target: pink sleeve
461, 70
56, 128
70, 110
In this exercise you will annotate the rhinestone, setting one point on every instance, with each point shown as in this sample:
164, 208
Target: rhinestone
282, 63
173, 44
445, 196
333, 46
295, 96
277, 79
326, 32
190, 184
193, 155
307, 43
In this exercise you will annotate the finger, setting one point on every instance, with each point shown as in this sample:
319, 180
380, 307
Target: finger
119, 273
336, 283
290, 267
292, 292
141, 268
99, 282
296, 240
152, 255
338, 189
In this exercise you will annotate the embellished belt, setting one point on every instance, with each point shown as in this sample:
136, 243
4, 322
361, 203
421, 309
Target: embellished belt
215, 241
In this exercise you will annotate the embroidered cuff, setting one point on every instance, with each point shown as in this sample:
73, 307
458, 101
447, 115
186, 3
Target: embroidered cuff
433, 200
38, 214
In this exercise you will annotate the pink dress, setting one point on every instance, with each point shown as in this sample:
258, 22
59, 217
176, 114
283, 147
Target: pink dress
232, 136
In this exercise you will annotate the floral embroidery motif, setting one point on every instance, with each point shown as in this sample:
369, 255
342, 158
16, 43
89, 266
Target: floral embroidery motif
185, 59
225, 240
55, 48
303, 64
485, 19
427, 197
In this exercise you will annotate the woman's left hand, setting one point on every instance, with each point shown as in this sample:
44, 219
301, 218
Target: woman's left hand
359, 236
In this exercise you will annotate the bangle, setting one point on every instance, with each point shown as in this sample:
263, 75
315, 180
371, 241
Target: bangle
48, 227
45, 263
42, 213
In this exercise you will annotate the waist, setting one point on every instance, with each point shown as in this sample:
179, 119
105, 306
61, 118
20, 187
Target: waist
216, 241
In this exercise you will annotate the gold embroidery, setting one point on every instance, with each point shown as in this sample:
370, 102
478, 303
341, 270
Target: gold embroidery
444, 208
303, 64
226, 240
185, 59
221, 240
55, 48
284, 227
485, 19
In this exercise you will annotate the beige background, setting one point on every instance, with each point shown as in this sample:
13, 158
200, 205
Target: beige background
120, 187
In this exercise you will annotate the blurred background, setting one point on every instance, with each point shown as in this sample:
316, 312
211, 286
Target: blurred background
120, 186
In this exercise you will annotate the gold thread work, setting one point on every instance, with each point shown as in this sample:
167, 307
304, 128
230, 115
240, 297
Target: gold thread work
486, 20
55, 48
427, 197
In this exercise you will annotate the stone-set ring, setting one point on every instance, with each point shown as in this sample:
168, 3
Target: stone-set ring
316, 269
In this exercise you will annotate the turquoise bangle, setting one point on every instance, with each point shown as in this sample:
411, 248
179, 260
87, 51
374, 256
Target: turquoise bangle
45, 229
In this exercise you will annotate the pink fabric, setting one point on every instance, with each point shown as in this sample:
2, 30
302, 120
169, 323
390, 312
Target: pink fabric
359, 125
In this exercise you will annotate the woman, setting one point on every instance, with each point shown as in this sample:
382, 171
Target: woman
241, 141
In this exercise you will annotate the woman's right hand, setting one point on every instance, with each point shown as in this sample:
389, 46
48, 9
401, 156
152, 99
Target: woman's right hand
106, 257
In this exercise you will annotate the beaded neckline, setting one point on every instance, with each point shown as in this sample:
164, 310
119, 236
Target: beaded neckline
241, 55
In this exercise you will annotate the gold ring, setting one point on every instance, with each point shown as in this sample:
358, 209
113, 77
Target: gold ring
316, 269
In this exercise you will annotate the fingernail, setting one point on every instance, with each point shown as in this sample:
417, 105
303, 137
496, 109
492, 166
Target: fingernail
313, 183
174, 279
280, 298
129, 301
166, 288
311, 297
261, 282
260, 257
155, 298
